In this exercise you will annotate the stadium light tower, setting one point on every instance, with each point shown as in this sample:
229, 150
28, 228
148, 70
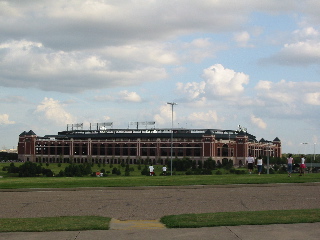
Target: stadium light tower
172, 104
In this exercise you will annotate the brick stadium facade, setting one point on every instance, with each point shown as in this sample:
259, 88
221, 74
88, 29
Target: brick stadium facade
131, 145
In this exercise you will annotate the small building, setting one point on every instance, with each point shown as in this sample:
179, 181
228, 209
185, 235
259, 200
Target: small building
132, 145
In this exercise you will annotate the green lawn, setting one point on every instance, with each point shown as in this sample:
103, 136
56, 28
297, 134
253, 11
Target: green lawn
81, 223
241, 218
136, 179
48, 224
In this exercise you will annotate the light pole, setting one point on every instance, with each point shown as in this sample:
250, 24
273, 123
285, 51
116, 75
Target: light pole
314, 154
305, 150
172, 104
268, 159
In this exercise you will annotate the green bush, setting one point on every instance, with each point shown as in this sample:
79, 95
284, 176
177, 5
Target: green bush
145, 171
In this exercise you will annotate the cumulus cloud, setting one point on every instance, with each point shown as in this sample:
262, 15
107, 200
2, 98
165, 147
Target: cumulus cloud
288, 92
54, 111
193, 89
152, 53
33, 65
303, 50
165, 115
306, 33
122, 96
95, 23
219, 82
258, 122
300, 53
242, 39
13, 99
129, 96
199, 49
4, 119
208, 117
313, 98
224, 82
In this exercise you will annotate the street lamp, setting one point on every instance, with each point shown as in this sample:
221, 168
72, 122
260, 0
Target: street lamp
171, 103
305, 150
314, 154
268, 159
304, 147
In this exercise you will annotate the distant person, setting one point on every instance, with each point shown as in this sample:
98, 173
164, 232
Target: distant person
259, 164
164, 170
250, 162
151, 170
302, 165
290, 162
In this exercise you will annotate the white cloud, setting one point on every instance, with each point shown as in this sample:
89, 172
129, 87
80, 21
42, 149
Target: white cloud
53, 111
223, 82
193, 90
219, 82
151, 53
4, 119
242, 39
289, 93
199, 49
258, 122
303, 49
129, 96
30, 64
165, 115
106, 118
306, 33
313, 98
300, 53
104, 98
208, 117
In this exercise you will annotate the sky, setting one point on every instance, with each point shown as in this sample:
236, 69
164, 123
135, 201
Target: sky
224, 62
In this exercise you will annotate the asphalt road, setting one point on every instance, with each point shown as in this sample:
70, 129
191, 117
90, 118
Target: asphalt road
149, 203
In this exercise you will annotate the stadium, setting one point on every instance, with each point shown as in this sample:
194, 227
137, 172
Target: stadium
103, 144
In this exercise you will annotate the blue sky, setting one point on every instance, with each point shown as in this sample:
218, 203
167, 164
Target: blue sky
253, 63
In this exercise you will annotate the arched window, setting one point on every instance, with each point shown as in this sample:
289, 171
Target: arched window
84, 149
144, 150
189, 150
225, 150
164, 150
94, 149
197, 150
76, 149
52, 149
180, 150
152, 150
110, 149
66, 149
133, 150
102, 149
125, 150
117, 150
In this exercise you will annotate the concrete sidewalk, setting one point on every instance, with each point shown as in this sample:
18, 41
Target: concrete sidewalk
309, 231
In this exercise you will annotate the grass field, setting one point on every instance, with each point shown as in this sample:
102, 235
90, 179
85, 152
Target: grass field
136, 179
48, 224
241, 218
